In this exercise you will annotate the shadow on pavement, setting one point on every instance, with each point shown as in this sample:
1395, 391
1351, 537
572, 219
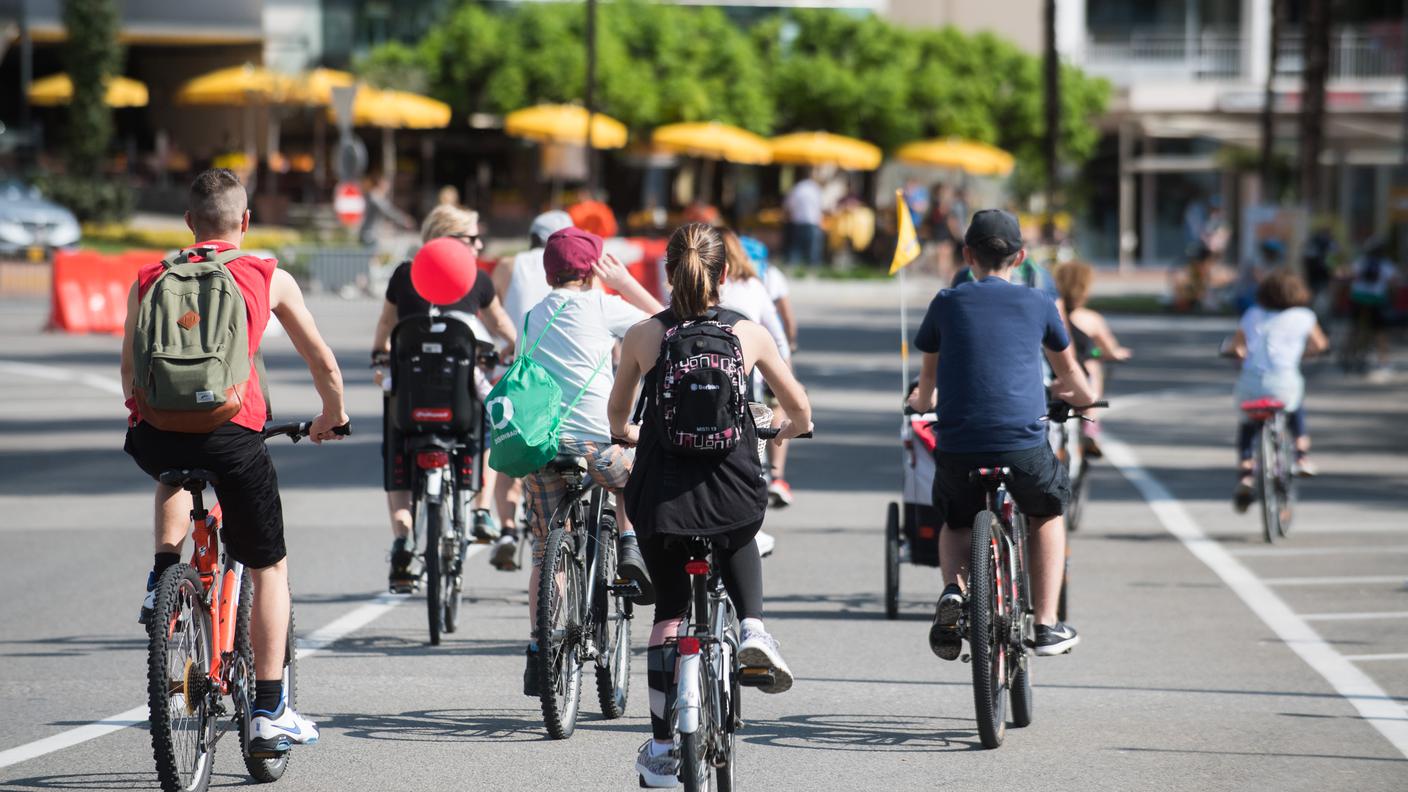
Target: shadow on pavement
74, 645
447, 725
108, 781
1265, 753
891, 733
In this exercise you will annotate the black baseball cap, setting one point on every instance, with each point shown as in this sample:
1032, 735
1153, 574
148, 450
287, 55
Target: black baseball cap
994, 229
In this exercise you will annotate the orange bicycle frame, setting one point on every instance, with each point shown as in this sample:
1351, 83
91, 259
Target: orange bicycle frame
223, 600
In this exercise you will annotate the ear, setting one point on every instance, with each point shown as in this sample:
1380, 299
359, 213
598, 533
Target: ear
244, 223
968, 256
190, 225
1021, 257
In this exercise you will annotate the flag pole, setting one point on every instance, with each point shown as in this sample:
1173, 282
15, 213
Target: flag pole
904, 337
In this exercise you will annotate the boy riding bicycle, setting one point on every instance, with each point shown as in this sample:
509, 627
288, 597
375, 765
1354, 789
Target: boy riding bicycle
576, 328
248, 487
981, 343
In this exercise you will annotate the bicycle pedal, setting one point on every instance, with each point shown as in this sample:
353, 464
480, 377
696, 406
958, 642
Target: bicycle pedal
966, 659
756, 676
624, 588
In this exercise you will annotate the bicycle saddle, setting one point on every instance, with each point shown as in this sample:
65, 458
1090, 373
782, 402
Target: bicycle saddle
187, 479
568, 463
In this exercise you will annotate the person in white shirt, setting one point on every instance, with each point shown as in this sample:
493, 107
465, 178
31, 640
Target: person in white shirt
1272, 337
575, 329
521, 284
803, 207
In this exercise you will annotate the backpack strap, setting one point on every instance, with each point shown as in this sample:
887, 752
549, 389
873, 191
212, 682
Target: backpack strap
529, 353
588, 383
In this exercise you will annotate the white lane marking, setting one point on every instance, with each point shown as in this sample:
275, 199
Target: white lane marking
1366, 658
1316, 552
313, 644
1358, 616
1358, 688
1333, 580
57, 374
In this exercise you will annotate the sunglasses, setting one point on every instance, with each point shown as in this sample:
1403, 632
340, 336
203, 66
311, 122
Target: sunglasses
470, 239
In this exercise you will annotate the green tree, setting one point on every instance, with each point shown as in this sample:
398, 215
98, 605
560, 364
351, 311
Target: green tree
92, 56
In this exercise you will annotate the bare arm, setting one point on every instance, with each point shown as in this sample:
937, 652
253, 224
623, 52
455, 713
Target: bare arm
129, 330
923, 399
286, 301
789, 320
496, 319
614, 274
502, 275
1104, 337
1317, 343
623, 390
1071, 383
381, 341
1239, 345
779, 377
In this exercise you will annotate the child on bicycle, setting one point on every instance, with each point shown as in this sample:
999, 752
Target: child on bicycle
575, 348
1272, 337
1091, 335
248, 488
720, 495
983, 342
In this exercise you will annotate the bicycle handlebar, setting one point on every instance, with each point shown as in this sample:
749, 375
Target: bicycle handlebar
299, 430
1059, 411
770, 433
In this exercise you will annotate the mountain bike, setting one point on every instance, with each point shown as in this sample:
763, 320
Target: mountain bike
584, 606
199, 648
1068, 441
1273, 466
707, 712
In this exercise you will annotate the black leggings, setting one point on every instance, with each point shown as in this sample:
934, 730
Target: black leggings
1247, 432
735, 551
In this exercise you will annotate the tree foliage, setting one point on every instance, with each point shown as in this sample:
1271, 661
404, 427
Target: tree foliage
92, 56
802, 70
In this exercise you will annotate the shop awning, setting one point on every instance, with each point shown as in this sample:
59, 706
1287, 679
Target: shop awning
565, 124
712, 140
824, 148
979, 159
57, 89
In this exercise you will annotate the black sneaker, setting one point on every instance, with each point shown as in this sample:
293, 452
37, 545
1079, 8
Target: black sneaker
530, 674
1243, 496
144, 616
1055, 639
944, 638
631, 566
403, 578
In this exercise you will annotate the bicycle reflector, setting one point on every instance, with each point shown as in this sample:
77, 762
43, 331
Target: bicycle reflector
430, 460
689, 645
697, 567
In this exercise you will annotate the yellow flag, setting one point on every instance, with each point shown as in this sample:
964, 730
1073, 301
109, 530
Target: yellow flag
907, 246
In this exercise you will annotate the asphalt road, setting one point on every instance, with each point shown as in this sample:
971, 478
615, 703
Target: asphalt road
1209, 661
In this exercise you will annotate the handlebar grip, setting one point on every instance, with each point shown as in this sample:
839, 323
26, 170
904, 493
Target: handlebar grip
770, 433
344, 430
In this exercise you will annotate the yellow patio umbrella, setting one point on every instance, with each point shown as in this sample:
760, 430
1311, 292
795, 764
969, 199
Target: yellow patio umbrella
712, 140
824, 148
315, 87
57, 89
398, 110
565, 124
236, 85
970, 156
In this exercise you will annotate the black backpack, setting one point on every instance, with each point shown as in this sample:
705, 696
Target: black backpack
701, 385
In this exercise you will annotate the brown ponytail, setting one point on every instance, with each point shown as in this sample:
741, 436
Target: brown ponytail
694, 263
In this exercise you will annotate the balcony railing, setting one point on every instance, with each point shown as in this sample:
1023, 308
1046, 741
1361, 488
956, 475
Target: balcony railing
1355, 54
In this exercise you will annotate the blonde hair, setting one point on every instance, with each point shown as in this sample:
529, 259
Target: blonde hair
740, 267
694, 263
446, 220
1073, 280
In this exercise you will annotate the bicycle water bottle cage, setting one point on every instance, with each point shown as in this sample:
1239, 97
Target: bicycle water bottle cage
1262, 409
194, 479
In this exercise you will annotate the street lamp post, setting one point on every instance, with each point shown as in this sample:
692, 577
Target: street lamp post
1053, 122
590, 96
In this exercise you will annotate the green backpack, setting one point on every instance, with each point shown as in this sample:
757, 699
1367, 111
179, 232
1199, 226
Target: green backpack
191, 346
526, 412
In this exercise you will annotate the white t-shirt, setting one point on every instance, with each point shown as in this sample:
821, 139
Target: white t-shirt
527, 287
776, 281
751, 298
1276, 339
803, 204
580, 339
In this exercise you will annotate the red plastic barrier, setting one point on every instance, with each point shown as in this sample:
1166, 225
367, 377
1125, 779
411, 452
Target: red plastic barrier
90, 289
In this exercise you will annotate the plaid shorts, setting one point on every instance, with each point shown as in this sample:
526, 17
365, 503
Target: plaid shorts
608, 464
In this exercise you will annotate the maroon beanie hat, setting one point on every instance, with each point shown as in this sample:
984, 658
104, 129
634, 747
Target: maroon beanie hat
570, 254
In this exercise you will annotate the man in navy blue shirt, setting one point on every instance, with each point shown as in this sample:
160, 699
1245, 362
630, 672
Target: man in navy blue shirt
983, 343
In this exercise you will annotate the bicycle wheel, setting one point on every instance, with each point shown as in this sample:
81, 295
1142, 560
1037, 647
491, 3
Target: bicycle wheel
1286, 481
178, 683
1019, 661
434, 583
987, 632
696, 765
452, 550
559, 632
725, 728
613, 628
263, 769
892, 561
1267, 489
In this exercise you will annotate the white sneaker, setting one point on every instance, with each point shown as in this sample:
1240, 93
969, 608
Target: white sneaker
760, 650
658, 770
504, 555
766, 543
273, 733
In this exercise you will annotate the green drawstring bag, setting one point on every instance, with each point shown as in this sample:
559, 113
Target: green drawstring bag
526, 412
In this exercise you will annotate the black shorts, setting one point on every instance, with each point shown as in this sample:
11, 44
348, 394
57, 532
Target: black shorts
1370, 317
1038, 484
253, 515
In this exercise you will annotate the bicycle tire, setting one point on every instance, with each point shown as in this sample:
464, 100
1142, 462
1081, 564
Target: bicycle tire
433, 605
261, 769
613, 623
452, 586
1019, 661
1079, 495
694, 764
722, 718
987, 646
180, 608
1266, 484
558, 625
892, 561
1286, 480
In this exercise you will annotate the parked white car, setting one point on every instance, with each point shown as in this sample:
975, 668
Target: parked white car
31, 223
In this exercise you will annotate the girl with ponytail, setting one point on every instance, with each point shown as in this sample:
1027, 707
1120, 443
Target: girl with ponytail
721, 495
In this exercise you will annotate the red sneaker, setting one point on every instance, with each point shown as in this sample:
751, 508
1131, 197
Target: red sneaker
780, 493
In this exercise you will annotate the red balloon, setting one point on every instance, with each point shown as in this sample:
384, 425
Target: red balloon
443, 271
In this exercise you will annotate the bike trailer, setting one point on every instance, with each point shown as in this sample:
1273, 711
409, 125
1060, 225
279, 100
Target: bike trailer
920, 521
432, 375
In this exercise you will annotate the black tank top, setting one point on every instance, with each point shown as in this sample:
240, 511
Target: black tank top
693, 496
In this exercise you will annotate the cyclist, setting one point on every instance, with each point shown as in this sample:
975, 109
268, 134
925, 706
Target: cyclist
1371, 285
1271, 338
1090, 333
720, 497
248, 488
981, 343
780, 291
575, 348
402, 301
